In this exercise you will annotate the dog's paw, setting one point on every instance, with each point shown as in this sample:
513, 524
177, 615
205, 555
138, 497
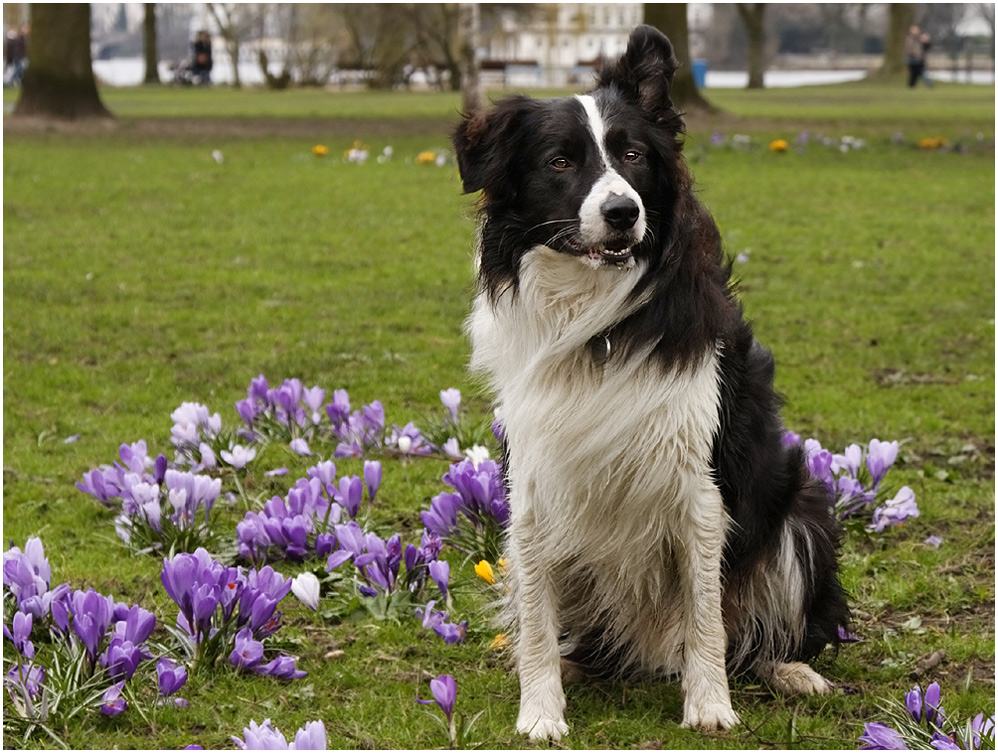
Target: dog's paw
797, 678
709, 716
538, 728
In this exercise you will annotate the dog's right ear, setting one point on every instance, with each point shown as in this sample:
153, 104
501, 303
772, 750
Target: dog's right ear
484, 142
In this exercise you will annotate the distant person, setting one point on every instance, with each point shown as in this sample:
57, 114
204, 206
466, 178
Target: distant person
15, 55
914, 56
202, 62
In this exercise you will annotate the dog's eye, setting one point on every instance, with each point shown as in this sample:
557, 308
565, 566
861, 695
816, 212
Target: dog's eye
560, 163
633, 156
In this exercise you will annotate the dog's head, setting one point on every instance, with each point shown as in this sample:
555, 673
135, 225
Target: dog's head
593, 176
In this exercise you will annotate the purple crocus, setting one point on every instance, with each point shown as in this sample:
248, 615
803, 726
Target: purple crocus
440, 572
300, 447
31, 677
170, 677
444, 690
27, 573
19, 634
452, 632
933, 711
311, 737
878, 736
282, 666
261, 737
451, 398
879, 458
349, 494
121, 659
372, 477
92, 613
93, 483
441, 518
248, 651
896, 510
113, 702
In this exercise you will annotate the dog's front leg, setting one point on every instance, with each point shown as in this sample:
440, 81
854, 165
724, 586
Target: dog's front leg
707, 702
542, 700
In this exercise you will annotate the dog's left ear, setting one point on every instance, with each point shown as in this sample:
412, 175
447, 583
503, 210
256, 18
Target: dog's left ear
644, 72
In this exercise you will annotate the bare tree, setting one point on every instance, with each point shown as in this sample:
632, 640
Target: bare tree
753, 16
671, 19
59, 82
150, 48
439, 37
382, 40
901, 16
234, 21
471, 91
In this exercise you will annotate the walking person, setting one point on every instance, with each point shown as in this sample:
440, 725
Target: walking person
914, 55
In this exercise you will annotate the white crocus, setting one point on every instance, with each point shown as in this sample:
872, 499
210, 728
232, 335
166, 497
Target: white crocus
306, 588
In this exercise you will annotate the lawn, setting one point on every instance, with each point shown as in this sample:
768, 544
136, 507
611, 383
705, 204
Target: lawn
201, 242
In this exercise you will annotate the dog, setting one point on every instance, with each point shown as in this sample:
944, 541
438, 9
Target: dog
658, 523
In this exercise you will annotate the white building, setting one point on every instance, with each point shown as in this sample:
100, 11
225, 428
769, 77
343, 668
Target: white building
558, 43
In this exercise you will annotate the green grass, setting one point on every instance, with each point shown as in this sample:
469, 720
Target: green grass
139, 274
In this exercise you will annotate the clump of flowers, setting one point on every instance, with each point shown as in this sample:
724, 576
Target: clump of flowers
92, 640
226, 612
195, 433
855, 477
161, 507
356, 431
386, 587
921, 724
267, 737
301, 523
474, 517
280, 413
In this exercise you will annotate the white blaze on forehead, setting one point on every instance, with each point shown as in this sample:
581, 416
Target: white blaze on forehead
593, 228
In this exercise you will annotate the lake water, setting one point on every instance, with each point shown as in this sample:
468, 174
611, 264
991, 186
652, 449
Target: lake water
130, 71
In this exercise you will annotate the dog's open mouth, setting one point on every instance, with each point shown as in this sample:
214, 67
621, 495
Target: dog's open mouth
614, 252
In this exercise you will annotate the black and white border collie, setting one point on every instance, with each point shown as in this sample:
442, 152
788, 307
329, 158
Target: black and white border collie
658, 523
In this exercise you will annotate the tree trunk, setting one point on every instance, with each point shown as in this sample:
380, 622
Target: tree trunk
671, 20
151, 51
902, 17
471, 92
752, 15
59, 82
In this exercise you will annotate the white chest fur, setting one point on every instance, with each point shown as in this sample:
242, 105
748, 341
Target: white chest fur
590, 442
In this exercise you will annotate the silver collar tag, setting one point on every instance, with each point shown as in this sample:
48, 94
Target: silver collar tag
600, 349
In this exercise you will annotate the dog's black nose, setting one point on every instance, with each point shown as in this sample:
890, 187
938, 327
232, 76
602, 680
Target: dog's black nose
620, 212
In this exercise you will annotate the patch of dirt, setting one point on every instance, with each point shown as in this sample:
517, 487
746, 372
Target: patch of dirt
198, 129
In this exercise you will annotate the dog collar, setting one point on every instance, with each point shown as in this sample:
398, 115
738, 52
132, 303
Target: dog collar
600, 349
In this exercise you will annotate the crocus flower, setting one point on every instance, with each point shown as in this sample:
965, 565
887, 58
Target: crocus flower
934, 541
113, 702
879, 459
440, 572
19, 634
484, 571
933, 712
239, 456
311, 737
248, 651
896, 510
300, 447
92, 614
261, 737
444, 690
121, 659
93, 483
452, 449
282, 666
451, 398
441, 518
306, 587
170, 677
878, 736
349, 494
32, 677
372, 477
27, 573
452, 632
